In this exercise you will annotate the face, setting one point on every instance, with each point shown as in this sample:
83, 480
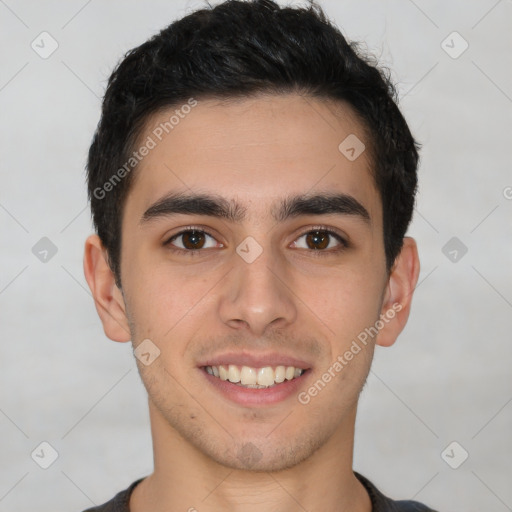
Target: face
228, 259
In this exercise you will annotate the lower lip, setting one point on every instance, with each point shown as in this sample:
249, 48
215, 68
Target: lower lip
256, 397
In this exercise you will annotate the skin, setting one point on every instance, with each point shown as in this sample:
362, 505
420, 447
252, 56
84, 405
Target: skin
210, 453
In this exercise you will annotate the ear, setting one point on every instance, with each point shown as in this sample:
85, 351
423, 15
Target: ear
398, 294
107, 296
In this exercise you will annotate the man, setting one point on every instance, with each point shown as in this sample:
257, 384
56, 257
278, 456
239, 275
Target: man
251, 182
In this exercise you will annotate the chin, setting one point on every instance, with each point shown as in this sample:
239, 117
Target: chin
261, 454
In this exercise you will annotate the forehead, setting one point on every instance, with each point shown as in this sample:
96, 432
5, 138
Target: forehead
256, 149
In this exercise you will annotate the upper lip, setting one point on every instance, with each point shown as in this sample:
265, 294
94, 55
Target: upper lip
255, 360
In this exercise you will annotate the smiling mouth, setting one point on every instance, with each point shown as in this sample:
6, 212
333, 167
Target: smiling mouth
255, 378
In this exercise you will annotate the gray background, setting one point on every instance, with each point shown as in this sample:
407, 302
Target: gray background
447, 378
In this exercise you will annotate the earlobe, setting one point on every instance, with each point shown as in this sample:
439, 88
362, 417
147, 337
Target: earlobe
108, 299
398, 295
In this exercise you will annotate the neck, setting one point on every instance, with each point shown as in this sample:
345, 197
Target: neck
186, 479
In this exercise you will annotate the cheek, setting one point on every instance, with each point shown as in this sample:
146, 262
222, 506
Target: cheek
346, 301
162, 299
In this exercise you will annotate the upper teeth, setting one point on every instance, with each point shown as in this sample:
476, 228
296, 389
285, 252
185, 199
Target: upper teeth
255, 377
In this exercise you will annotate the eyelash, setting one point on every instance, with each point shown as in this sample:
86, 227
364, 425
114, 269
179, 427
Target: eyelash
320, 252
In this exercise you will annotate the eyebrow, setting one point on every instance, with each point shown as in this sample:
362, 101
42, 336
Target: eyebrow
290, 207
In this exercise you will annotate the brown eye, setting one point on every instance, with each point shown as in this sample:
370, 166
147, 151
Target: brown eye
192, 239
317, 239
321, 239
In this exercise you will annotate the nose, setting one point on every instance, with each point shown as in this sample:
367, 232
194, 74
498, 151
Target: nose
258, 294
